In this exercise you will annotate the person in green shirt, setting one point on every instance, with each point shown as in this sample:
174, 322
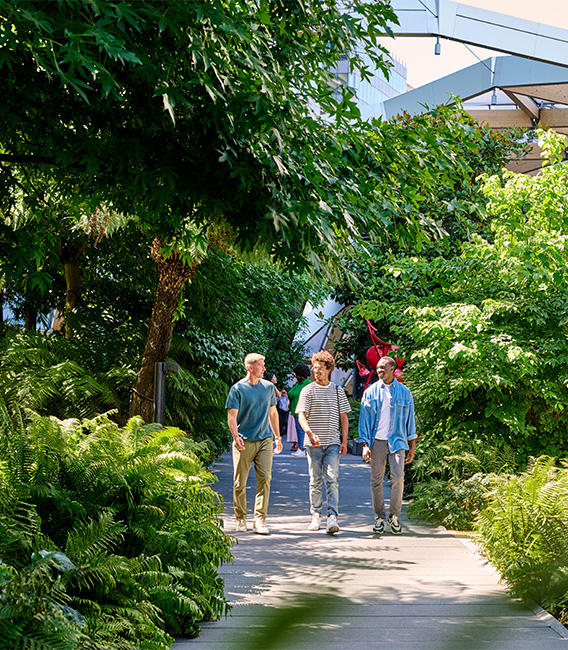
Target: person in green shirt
302, 372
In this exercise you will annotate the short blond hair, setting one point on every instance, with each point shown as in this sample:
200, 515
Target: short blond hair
324, 357
251, 358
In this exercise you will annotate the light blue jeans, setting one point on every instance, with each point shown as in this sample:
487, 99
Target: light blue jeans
323, 462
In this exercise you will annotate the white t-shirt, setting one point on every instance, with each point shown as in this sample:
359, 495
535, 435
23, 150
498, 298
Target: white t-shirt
384, 421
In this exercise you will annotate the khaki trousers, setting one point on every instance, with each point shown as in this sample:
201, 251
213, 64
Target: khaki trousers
380, 454
260, 453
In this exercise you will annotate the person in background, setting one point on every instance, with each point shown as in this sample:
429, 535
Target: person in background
283, 411
253, 420
271, 377
323, 408
301, 372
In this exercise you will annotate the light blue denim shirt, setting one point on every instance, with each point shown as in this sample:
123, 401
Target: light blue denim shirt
402, 425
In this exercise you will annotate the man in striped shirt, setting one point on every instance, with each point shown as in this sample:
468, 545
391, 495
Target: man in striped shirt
323, 409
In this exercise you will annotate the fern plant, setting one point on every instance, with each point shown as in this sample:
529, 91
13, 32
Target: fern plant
524, 532
67, 378
132, 509
449, 479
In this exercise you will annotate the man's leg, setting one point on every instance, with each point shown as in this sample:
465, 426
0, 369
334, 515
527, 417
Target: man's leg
379, 454
396, 464
242, 461
263, 469
331, 474
315, 468
299, 432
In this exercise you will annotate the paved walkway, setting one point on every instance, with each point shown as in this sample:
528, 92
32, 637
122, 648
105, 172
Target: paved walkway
423, 590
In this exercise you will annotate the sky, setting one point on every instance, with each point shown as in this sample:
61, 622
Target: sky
424, 66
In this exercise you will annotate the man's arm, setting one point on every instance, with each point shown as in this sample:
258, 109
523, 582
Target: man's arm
314, 440
366, 423
344, 432
410, 452
233, 427
411, 432
273, 418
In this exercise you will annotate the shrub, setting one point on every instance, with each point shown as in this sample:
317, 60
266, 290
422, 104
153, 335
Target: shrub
133, 513
524, 532
485, 333
454, 505
449, 479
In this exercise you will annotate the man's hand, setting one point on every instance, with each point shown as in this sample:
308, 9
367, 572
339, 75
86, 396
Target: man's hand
234, 429
278, 446
342, 449
366, 453
315, 441
410, 454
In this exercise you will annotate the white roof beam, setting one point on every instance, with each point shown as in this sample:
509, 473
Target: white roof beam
506, 72
489, 29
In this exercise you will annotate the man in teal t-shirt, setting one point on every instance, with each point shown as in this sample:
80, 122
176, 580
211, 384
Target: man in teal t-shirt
253, 420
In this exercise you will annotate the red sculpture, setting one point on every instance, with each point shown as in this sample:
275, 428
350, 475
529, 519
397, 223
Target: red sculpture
379, 350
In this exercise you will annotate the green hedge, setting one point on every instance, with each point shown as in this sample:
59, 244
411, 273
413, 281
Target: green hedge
110, 537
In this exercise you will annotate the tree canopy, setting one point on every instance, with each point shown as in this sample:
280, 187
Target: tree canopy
191, 113
485, 332
205, 124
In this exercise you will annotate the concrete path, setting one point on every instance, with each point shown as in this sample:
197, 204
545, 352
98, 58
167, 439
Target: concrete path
423, 590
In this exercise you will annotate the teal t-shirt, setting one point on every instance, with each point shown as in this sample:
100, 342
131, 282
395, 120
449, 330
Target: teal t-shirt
253, 402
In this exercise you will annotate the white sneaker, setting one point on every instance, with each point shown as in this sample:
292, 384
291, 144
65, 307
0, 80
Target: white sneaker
316, 523
396, 528
299, 453
241, 525
332, 525
260, 528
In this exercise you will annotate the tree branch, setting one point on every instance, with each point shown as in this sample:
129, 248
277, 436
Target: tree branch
27, 160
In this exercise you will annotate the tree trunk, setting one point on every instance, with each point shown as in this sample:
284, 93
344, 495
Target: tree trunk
173, 273
69, 255
30, 318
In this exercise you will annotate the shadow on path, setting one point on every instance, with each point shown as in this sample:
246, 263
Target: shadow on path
423, 590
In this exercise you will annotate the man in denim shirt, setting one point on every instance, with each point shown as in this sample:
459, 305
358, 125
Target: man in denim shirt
388, 432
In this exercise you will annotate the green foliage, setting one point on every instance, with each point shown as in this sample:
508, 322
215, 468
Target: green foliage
223, 136
70, 378
131, 509
459, 458
524, 532
485, 332
448, 198
233, 307
354, 418
256, 308
453, 505
449, 478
